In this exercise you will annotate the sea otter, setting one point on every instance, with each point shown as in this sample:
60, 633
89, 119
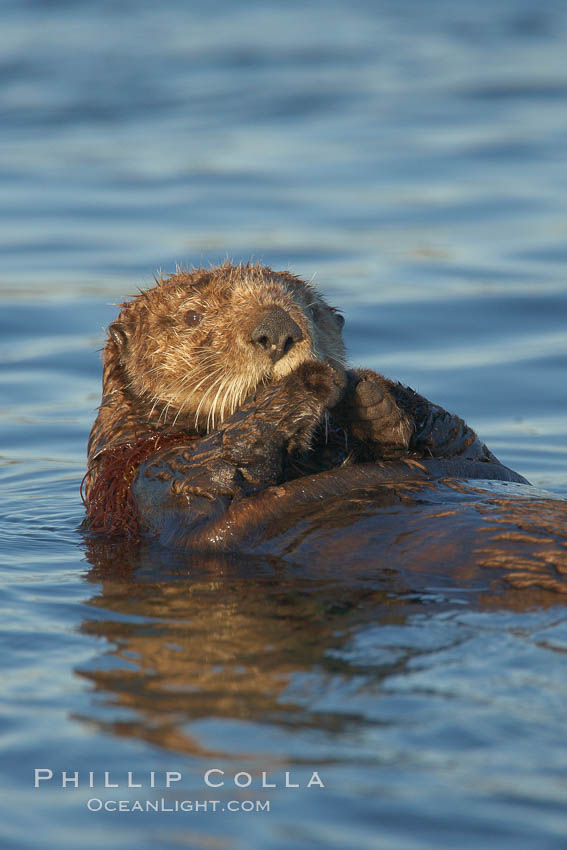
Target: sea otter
227, 401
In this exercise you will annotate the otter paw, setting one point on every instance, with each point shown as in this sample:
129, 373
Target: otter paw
323, 382
377, 418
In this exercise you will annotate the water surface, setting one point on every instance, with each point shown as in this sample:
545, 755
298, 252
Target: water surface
412, 157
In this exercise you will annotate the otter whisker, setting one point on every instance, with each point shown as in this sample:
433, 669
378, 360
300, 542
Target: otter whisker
194, 375
214, 407
213, 385
137, 379
234, 396
227, 395
193, 389
156, 398
227, 398
207, 375
164, 412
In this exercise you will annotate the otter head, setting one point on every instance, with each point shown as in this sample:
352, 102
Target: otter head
186, 353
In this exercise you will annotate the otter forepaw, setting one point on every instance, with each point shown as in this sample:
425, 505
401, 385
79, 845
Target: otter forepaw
323, 382
375, 418
301, 400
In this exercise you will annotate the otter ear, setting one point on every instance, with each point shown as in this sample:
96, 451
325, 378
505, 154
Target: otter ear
118, 333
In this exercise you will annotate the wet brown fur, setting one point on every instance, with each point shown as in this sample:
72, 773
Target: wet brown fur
110, 506
169, 380
161, 375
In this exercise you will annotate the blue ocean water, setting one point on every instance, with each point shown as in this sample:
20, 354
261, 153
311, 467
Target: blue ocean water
410, 157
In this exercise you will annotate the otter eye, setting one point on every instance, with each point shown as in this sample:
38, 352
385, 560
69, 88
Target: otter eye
192, 318
314, 312
340, 320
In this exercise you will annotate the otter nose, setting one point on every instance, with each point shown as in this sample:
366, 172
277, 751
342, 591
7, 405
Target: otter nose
276, 333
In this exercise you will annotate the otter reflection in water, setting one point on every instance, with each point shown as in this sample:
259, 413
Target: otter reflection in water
255, 639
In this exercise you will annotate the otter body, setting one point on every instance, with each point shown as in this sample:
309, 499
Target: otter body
227, 406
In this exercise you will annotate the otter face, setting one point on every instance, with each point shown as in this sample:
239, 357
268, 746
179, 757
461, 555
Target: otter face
196, 345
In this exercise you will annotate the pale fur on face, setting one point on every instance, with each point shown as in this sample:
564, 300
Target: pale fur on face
195, 375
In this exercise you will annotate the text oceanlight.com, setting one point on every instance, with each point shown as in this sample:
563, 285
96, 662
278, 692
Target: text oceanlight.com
95, 804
